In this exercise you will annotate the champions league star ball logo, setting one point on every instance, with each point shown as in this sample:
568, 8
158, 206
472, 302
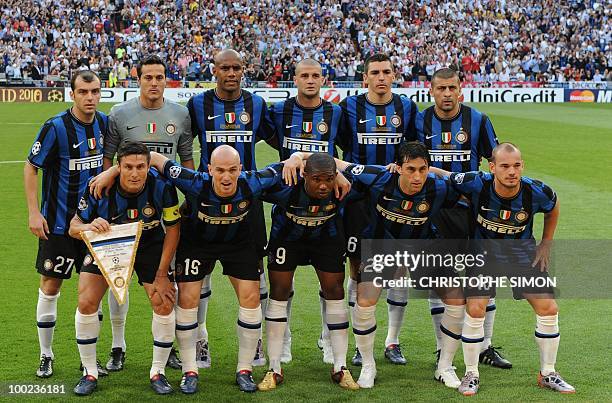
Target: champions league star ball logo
36, 148
82, 204
357, 169
175, 171
88, 260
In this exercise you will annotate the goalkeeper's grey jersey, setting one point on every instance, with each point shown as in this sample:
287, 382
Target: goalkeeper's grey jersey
166, 130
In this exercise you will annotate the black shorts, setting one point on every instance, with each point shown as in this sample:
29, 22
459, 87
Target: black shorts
145, 264
258, 228
194, 261
325, 255
58, 255
532, 281
454, 223
356, 220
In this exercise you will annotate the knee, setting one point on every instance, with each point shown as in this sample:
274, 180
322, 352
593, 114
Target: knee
476, 310
333, 291
250, 300
366, 302
50, 285
88, 306
355, 264
164, 308
187, 300
547, 308
279, 294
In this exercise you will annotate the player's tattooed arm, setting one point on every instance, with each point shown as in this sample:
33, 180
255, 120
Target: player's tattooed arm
36, 221
77, 226
102, 182
542, 259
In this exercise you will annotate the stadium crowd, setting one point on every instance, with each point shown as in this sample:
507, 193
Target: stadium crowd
507, 40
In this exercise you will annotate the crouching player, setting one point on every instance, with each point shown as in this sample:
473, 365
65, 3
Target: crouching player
306, 229
139, 194
503, 204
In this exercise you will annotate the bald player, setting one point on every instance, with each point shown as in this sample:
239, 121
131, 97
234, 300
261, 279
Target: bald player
163, 126
503, 206
217, 226
306, 123
230, 115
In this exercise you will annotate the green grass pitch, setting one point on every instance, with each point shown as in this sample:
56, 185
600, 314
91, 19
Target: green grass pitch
568, 146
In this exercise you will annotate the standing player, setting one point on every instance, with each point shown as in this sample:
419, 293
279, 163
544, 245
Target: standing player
68, 149
139, 194
163, 126
374, 125
457, 137
503, 204
230, 115
306, 123
217, 227
306, 229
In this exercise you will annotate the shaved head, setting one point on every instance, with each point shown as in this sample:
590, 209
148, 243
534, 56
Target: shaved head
504, 148
320, 162
306, 63
227, 54
224, 154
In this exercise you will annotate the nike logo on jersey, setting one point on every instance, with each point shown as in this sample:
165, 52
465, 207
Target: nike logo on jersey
77, 145
431, 136
296, 206
364, 120
116, 217
206, 205
388, 198
483, 208
212, 117
289, 126
131, 127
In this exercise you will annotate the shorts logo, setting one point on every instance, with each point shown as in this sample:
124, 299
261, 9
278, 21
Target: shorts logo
87, 260
322, 127
243, 204
447, 137
82, 204
396, 121
36, 148
313, 209
406, 205
175, 171
357, 169
307, 127
226, 208
461, 136
422, 207
521, 216
170, 128
91, 143
151, 127
148, 211
381, 120
119, 282
230, 117
48, 264
459, 178
244, 117
132, 214
505, 214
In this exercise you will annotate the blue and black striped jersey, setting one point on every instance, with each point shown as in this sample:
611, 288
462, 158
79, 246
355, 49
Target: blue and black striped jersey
239, 123
395, 214
156, 202
211, 218
457, 144
296, 216
371, 134
299, 128
498, 217
69, 152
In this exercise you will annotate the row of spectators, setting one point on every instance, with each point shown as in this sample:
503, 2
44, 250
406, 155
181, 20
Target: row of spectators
504, 40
